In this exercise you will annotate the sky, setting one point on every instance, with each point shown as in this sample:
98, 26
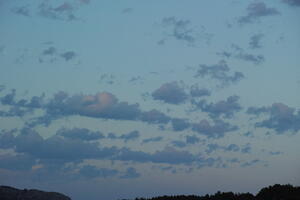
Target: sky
123, 99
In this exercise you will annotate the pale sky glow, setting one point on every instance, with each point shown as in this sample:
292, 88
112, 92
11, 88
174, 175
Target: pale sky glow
124, 99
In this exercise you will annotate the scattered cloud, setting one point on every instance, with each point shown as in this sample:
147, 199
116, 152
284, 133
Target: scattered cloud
220, 72
130, 136
195, 91
226, 108
68, 55
292, 2
90, 171
257, 10
180, 29
217, 130
255, 41
22, 10
281, 117
130, 173
153, 139
171, 93
80, 133
240, 54
179, 124
192, 139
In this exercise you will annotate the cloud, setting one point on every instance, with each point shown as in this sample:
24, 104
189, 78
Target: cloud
178, 143
256, 11
256, 59
171, 93
242, 55
80, 133
214, 147
226, 108
101, 105
168, 155
153, 139
219, 72
133, 135
68, 55
180, 124
246, 149
51, 54
199, 92
180, 29
130, 173
16, 162
250, 163
50, 51
281, 117
192, 139
217, 130
22, 10
255, 41
154, 117
64, 149
90, 171
63, 11
292, 2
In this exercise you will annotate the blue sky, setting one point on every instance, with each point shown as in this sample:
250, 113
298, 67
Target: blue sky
119, 99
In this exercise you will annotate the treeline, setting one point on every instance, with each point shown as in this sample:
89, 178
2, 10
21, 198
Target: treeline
275, 192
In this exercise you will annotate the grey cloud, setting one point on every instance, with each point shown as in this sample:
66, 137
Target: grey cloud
168, 155
192, 139
130, 173
80, 133
2, 87
55, 147
171, 93
180, 29
257, 110
101, 105
127, 10
130, 136
154, 117
68, 55
219, 72
15, 111
217, 130
255, 41
282, 118
180, 124
242, 55
63, 11
292, 2
90, 171
256, 59
153, 139
49, 51
22, 10
246, 149
250, 163
199, 92
7, 139
16, 162
214, 147
178, 143
255, 11
226, 108
56, 151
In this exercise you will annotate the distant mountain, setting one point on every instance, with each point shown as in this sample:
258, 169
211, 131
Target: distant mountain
275, 192
10, 193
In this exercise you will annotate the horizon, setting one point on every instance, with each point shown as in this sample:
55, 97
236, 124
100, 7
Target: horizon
120, 99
